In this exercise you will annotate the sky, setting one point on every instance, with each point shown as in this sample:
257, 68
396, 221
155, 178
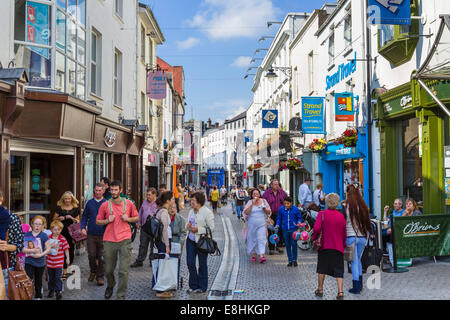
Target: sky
214, 41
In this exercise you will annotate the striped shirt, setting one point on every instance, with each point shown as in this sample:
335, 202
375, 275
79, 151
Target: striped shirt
57, 261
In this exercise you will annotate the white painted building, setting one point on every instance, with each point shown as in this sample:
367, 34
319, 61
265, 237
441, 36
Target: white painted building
233, 128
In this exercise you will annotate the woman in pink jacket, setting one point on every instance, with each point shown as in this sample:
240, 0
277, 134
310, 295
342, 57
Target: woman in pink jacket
330, 260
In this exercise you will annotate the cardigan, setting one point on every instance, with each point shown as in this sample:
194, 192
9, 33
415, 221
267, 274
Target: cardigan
334, 231
204, 217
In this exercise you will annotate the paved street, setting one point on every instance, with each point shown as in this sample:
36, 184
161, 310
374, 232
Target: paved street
274, 280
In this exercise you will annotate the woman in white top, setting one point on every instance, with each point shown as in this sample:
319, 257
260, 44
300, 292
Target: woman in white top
199, 218
256, 212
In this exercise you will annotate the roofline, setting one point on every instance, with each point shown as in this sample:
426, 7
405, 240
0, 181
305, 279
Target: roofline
308, 22
331, 17
153, 21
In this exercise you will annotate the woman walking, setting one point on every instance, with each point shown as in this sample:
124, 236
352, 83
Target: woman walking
68, 212
331, 227
257, 212
358, 228
178, 228
200, 217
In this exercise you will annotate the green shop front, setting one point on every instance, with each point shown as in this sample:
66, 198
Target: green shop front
414, 131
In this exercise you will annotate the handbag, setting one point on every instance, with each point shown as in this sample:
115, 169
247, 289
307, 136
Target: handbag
206, 244
75, 232
2, 286
165, 273
349, 251
20, 286
317, 244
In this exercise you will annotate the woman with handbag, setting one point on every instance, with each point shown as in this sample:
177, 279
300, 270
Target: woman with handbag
256, 213
329, 236
200, 218
358, 229
68, 212
11, 241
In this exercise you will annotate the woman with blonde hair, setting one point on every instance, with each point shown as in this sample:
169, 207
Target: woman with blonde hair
411, 208
68, 212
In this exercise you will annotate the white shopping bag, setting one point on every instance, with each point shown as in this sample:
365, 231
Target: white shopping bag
166, 274
175, 248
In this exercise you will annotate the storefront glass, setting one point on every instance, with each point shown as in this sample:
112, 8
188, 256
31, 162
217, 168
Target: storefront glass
94, 169
412, 162
18, 180
353, 173
40, 183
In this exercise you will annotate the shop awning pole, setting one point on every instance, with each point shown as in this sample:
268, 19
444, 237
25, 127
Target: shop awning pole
440, 104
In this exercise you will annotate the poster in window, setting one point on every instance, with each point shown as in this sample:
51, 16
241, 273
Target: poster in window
37, 27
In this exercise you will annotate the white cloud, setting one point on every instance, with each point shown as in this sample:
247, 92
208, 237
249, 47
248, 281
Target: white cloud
242, 62
188, 43
226, 19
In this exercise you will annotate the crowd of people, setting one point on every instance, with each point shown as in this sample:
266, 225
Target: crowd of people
269, 216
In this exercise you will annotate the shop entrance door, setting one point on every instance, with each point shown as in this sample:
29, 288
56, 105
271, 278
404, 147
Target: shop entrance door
37, 182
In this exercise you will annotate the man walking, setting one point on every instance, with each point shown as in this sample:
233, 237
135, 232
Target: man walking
94, 234
275, 197
240, 194
106, 182
116, 214
304, 194
148, 209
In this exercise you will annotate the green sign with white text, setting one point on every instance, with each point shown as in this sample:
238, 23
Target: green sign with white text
422, 236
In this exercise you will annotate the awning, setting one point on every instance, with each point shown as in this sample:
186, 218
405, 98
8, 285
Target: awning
437, 64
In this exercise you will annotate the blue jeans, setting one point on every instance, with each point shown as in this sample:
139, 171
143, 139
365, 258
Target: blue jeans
291, 245
197, 279
233, 204
356, 263
239, 210
55, 282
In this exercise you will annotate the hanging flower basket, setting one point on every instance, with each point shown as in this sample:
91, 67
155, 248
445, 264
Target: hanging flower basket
349, 138
283, 166
294, 164
318, 145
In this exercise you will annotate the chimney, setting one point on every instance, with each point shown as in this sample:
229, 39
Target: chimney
208, 125
216, 125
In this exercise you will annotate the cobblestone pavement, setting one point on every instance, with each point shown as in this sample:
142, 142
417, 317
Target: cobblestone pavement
274, 280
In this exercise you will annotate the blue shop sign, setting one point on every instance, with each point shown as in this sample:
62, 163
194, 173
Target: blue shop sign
270, 118
340, 152
390, 12
313, 115
344, 71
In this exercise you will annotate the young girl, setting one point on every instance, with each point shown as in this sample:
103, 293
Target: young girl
55, 260
35, 241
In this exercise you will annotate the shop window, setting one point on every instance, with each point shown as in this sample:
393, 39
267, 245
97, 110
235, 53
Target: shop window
397, 43
411, 160
40, 191
18, 180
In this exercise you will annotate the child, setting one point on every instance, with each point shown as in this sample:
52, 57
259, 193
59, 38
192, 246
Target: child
55, 260
25, 228
288, 217
35, 260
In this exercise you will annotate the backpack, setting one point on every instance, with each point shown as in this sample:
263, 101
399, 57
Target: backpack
153, 227
133, 226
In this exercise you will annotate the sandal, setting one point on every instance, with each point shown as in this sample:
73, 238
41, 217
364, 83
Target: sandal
262, 260
340, 296
318, 293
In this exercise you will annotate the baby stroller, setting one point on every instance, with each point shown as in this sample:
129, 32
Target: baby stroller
307, 225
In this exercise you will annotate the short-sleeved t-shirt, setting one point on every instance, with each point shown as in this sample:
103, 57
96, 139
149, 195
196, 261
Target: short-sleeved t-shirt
38, 241
118, 230
214, 195
57, 261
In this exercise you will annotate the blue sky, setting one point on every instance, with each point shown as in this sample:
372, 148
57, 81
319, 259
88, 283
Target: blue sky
212, 40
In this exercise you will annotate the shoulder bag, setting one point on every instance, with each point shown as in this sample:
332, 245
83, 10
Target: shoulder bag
20, 286
206, 244
317, 244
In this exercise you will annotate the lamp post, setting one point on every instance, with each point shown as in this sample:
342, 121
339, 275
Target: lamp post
271, 75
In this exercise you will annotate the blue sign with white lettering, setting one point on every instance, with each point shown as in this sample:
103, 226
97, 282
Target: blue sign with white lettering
344, 71
390, 12
313, 115
270, 118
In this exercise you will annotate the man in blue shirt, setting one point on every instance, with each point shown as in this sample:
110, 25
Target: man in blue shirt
387, 231
305, 194
94, 234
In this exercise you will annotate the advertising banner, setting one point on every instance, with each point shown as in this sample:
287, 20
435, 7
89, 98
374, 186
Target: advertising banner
156, 85
248, 135
270, 118
344, 109
390, 11
313, 115
422, 236
37, 28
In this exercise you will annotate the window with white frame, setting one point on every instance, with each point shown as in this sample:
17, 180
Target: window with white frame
118, 8
117, 77
331, 47
143, 43
96, 61
348, 30
143, 107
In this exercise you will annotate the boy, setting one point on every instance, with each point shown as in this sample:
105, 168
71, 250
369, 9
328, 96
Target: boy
55, 260
288, 217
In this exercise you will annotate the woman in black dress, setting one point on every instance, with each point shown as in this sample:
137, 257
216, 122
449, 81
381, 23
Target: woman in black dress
68, 213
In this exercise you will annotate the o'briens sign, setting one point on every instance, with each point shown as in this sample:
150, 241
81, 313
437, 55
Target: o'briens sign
419, 229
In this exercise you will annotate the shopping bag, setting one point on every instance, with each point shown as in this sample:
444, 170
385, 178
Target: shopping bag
166, 274
75, 232
2, 287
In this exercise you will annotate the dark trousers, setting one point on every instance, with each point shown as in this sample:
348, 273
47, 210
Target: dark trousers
273, 216
177, 202
197, 279
65, 233
54, 279
35, 274
95, 255
143, 246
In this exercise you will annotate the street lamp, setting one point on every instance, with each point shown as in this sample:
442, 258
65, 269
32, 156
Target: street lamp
271, 75
269, 23
250, 68
265, 37
254, 59
249, 74
260, 49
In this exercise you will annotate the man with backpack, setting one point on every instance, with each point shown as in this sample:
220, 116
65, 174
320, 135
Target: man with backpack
117, 214
148, 209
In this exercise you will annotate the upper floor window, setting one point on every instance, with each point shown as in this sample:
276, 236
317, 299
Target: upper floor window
331, 48
143, 43
118, 8
96, 59
348, 30
117, 76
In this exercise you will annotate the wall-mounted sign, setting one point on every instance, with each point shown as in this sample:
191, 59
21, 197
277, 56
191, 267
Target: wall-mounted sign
270, 118
344, 109
295, 125
390, 11
37, 28
248, 135
156, 85
313, 115
344, 71
110, 138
